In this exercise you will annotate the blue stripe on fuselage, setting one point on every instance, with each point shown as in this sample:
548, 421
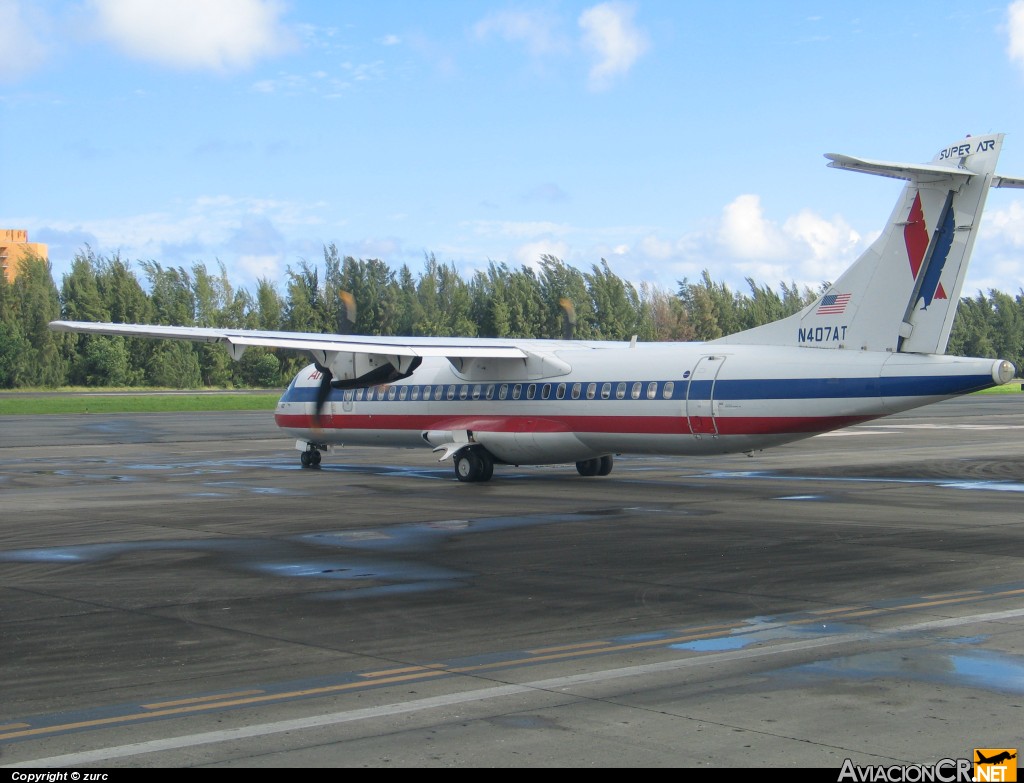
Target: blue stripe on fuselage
764, 389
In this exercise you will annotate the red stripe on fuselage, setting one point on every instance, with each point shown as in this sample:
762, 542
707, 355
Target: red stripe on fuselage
634, 425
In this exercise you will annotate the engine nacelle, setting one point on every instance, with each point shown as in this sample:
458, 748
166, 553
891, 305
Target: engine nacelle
353, 370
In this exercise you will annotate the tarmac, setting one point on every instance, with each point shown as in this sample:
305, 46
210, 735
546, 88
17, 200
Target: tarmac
177, 592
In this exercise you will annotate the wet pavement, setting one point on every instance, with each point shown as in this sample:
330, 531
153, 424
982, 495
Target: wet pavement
177, 591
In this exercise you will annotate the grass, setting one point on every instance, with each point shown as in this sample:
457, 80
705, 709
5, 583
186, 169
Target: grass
107, 401
1013, 387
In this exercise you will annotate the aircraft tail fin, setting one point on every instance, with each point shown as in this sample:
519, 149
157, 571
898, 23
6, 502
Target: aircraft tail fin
902, 293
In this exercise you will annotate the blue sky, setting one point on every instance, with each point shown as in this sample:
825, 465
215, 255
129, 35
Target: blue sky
666, 137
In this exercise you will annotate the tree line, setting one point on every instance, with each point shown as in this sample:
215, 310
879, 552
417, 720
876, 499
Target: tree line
366, 296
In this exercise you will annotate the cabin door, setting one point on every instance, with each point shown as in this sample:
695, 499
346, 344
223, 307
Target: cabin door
700, 396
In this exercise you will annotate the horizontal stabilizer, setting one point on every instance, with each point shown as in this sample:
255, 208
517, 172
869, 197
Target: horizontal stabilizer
999, 181
922, 172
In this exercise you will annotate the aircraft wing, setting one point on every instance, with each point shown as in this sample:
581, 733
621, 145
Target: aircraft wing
359, 359
302, 341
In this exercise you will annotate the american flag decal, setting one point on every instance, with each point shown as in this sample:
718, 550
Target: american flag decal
833, 304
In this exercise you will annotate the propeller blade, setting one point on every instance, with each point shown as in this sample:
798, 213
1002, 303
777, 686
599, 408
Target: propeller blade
322, 393
568, 319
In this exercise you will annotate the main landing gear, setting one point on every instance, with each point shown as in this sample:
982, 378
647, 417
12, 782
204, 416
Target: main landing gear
599, 466
474, 464
310, 458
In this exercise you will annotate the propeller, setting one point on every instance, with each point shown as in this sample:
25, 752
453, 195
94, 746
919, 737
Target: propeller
349, 302
568, 319
322, 393
326, 376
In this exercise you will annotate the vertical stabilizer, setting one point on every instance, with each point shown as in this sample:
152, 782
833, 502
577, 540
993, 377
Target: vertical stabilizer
902, 293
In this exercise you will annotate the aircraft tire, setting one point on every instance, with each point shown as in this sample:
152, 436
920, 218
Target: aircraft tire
487, 465
468, 465
606, 464
304, 459
314, 457
588, 467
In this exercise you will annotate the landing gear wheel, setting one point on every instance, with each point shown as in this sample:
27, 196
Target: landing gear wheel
304, 459
310, 458
606, 465
474, 464
314, 457
468, 466
588, 467
487, 463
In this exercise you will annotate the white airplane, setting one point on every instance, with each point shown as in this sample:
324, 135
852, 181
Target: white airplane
872, 345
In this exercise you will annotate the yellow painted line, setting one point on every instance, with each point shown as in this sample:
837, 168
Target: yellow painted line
200, 700
191, 708
564, 647
606, 645
403, 670
841, 609
9, 726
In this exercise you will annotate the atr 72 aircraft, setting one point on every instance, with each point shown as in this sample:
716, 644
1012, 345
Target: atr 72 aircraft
872, 345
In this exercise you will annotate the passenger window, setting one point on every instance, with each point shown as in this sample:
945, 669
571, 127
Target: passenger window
531, 391
503, 391
591, 390
463, 392
517, 391
667, 389
438, 391
606, 391
403, 392
347, 396
635, 391
545, 391
426, 392
490, 392
359, 395
652, 390
476, 391
415, 394
620, 391
392, 391
576, 387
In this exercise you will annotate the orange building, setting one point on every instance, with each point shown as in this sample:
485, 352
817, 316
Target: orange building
14, 246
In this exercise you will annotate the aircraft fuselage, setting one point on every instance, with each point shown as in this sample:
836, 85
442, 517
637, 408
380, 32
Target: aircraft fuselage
658, 398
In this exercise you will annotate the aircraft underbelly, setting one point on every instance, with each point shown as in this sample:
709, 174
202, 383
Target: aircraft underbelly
536, 448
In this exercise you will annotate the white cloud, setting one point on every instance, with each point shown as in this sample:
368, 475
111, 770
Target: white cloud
21, 49
194, 34
832, 244
610, 35
529, 254
747, 234
255, 267
535, 29
1005, 225
1015, 28
517, 229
